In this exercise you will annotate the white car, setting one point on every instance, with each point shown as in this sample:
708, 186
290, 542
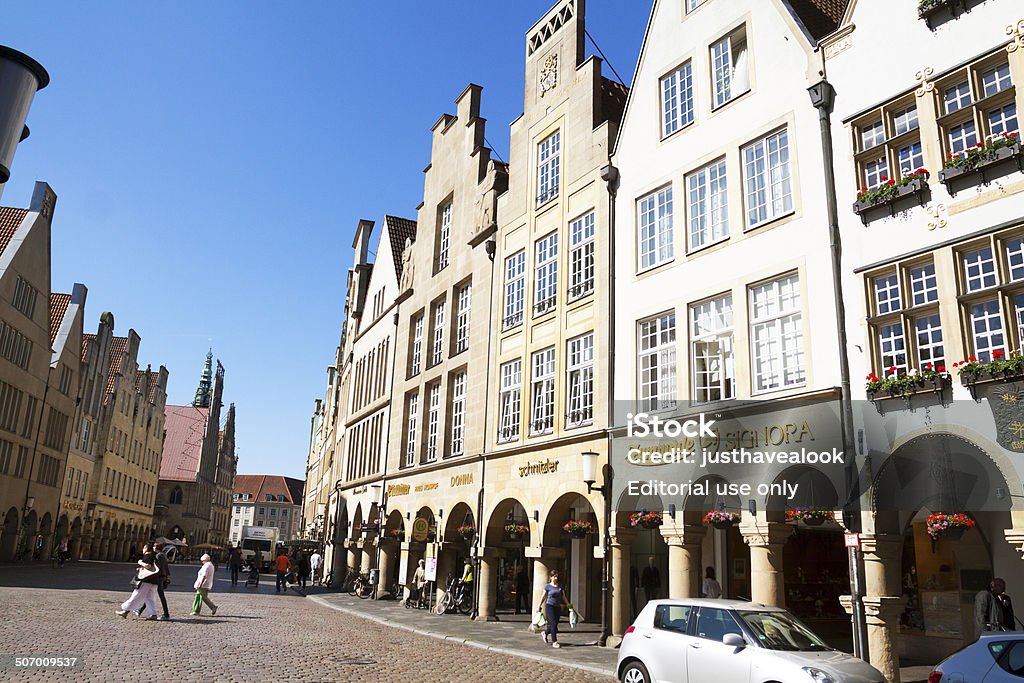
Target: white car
730, 641
994, 658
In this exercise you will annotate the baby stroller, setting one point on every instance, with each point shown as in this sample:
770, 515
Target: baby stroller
253, 575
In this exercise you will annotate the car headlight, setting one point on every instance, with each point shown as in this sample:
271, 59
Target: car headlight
818, 676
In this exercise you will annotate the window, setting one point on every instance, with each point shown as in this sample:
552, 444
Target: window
714, 374
672, 618
872, 135
284, 514
654, 221
906, 331
715, 624
581, 256
464, 299
1015, 258
5, 456
273, 512
458, 419
887, 294
176, 494
65, 380
510, 401
56, 428
416, 357
444, 234
412, 404
580, 381
979, 269
694, 4
766, 176
776, 334
433, 415
707, 205
261, 511
515, 275
22, 461
10, 405
729, 67
28, 426
547, 168
546, 285
238, 508
888, 143
543, 392
656, 362
237, 522
976, 102
677, 99
437, 351
25, 297
14, 346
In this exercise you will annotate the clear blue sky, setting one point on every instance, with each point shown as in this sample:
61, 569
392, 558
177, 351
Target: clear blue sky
211, 161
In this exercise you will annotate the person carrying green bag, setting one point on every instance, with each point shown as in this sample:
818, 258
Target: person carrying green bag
203, 586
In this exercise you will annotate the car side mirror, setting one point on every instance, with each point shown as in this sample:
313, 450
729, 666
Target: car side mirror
734, 640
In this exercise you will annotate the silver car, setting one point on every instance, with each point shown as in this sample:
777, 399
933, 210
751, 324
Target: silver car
993, 658
729, 641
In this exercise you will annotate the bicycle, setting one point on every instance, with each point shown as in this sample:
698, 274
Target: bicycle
361, 586
457, 595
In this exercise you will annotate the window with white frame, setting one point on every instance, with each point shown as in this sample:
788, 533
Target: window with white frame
714, 372
416, 353
437, 349
542, 395
412, 405
444, 235
730, 70
515, 278
707, 205
776, 334
654, 223
510, 401
677, 99
580, 381
464, 301
546, 283
694, 4
548, 168
976, 102
433, 418
906, 331
992, 294
581, 256
656, 362
769, 190
458, 414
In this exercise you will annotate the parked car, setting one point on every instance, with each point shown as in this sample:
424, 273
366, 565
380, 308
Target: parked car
994, 658
731, 641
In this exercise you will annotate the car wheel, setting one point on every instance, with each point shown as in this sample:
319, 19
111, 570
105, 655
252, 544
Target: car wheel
635, 672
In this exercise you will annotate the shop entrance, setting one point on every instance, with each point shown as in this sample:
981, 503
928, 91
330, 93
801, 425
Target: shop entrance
509, 531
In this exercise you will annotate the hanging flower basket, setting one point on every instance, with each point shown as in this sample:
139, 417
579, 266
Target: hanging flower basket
397, 534
950, 526
516, 531
645, 520
578, 529
810, 516
720, 519
465, 531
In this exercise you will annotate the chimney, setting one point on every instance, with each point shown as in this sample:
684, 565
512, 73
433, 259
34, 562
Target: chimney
361, 242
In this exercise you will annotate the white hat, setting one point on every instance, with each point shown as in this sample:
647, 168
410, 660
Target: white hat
206, 557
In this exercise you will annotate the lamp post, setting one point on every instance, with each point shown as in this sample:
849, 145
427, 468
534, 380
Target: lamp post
590, 465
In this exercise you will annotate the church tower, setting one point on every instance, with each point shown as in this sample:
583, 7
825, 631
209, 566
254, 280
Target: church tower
204, 392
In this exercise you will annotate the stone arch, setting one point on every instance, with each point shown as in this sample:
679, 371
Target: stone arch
814, 490
575, 554
75, 539
44, 538
508, 511
395, 523
568, 506
700, 501
461, 514
9, 535
31, 529
356, 530
424, 513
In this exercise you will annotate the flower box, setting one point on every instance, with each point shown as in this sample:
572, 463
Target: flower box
516, 531
982, 162
466, 532
904, 385
926, 9
1001, 368
890, 195
810, 516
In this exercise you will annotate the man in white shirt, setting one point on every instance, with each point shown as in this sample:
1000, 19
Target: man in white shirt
203, 586
314, 564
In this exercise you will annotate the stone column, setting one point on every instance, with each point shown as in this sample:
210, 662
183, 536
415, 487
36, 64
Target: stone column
387, 565
352, 560
622, 611
540, 579
487, 609
883, 601
766, 539
684, 574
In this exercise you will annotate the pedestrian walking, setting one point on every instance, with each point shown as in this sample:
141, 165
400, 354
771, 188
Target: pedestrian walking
164, 567
303, 569
203, 586
711, 587
283, 564
62, 552
147, 575
315, 560
235, 564
551, 605
989, 614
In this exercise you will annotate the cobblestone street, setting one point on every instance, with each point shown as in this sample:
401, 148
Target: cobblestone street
256, 635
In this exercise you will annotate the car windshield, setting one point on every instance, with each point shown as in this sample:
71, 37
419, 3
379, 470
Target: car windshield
782, 631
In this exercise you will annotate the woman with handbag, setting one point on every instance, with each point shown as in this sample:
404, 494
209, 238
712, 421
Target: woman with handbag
147, 575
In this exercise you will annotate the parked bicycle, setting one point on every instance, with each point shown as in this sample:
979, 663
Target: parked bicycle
457, 595
361, 586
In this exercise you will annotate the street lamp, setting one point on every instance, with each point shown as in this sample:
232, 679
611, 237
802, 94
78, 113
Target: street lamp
590, 463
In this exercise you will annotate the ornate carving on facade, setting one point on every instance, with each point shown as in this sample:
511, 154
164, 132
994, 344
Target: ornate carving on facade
1016, 33
1015, 537
937, 216
925, 85
766, 534
549, 74
407, 266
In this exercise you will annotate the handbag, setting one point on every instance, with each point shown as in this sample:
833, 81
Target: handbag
134, 583
144, 573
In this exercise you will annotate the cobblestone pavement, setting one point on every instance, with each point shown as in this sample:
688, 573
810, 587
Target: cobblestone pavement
255, 636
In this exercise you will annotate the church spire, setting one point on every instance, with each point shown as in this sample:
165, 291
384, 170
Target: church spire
205, 390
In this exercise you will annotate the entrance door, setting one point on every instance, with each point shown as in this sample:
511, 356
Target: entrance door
707, 657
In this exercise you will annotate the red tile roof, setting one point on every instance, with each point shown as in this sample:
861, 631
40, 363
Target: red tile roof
821, 17
10, 219
399, 230
153, 379
259, 486
117, 349
58, 307
183, 446
87, 340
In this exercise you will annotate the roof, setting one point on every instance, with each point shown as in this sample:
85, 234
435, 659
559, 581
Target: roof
87, 341
259, 486
117, 349
399, 230
58, 307
820, 17
183, 446
153, 379
10, 220
723, 603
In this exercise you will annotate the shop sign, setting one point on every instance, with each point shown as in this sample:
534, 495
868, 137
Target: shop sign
852, 540
548, 466
430, 568
420, 529
462, 479
398, 490
72, 505
426, 487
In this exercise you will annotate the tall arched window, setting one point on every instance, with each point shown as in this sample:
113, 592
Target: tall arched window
176, 496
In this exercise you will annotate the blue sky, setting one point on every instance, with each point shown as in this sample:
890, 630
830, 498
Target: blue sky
212, 162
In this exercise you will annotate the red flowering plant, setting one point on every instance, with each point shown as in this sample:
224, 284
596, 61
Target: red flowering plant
1002, 365
645, 519
465, 530
810, 515
575, 527
982, 151
721, 517
888, 188
899, 382
398, 534
939, 523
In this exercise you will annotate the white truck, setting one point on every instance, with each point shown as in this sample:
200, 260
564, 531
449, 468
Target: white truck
262, 539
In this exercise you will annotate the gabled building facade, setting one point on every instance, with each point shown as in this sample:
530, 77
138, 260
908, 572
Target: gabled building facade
267, 500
